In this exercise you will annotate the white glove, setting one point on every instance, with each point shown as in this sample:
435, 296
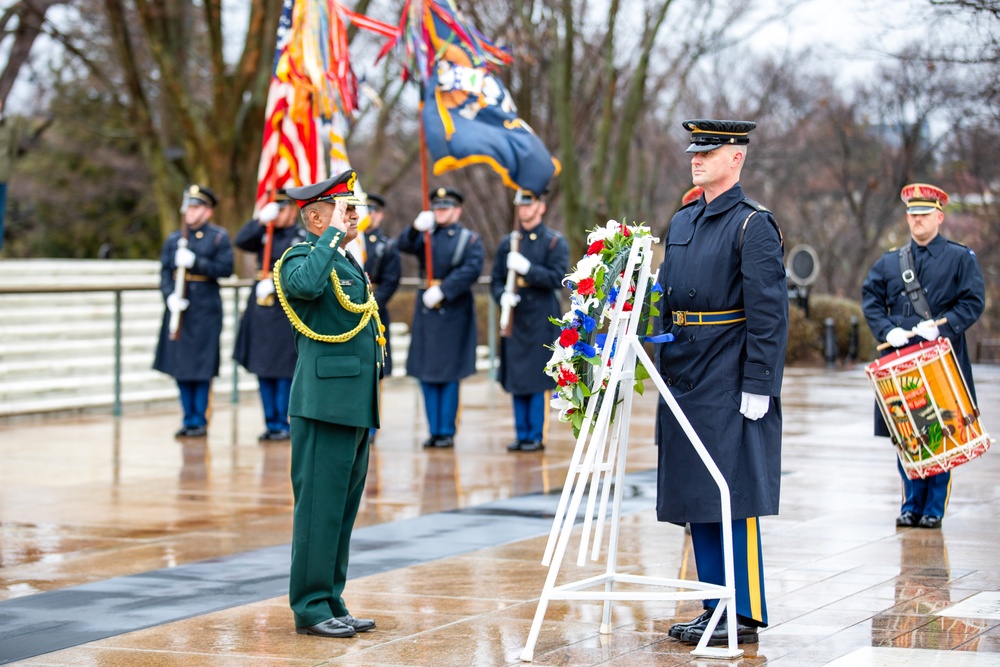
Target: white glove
897, 337
508, 299
518, 262
754, 406
264, 289
269, 212
433, 296
177, 304
184, 258
424, 221
927, 329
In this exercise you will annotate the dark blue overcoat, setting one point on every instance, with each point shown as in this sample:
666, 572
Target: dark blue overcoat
712, 264
384, 269
265, 345
443, 339
195, 354
523, 354
952, 283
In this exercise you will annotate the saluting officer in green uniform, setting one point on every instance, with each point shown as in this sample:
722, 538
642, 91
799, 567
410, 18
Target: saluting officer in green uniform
334, 400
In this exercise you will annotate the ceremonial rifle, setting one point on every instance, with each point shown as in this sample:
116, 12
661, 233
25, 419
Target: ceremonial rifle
180, 277
510, 287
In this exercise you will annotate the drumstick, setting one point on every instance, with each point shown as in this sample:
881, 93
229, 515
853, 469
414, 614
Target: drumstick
911, 334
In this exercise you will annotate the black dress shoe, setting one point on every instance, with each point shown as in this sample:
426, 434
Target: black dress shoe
429, 442
745, 634
359, 624
182, 432
928, 521
444, 442
515, 446
532, 446
907, 520
331, 627
677, 629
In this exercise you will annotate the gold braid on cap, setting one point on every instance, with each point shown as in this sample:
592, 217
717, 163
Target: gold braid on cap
369, 310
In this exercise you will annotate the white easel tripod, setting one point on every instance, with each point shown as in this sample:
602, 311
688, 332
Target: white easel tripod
600, 455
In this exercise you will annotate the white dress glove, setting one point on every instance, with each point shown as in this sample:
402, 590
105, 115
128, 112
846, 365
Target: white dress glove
424, 221
268, 213
508, 299
177, 304
897, 337
754, 406
927, 329
264, 289
433, 296
518, 262
184, 258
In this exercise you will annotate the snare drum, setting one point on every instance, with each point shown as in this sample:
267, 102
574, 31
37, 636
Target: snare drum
932, 420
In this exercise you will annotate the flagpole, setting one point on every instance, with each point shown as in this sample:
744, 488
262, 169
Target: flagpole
428, 254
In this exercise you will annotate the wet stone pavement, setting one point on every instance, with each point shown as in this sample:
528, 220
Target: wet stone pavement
120, 545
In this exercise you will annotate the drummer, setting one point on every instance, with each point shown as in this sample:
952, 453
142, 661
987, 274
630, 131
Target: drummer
947, 284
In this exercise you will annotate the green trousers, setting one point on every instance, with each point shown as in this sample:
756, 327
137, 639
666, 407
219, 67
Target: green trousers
329, 465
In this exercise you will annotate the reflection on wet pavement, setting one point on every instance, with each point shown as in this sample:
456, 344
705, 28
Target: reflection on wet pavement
89, 499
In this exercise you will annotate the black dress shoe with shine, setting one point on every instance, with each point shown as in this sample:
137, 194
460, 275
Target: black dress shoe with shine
677, 629
745, 634
515, 446
359, 624
331, 627
928, 521
429, 442
532, 446
444, 442
907, 520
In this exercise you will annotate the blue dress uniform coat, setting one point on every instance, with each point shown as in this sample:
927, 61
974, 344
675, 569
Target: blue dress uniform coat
384, 269
265, 345
712, 264
523, 354
952, 283
443, 339
194, 356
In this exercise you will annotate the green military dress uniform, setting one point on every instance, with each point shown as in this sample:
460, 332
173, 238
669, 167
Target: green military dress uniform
333, 404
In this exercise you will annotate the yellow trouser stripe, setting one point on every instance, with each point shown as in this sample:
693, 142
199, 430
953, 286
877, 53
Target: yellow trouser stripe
753, 570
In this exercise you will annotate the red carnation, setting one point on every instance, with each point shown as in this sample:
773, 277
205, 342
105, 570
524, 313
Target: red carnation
627, 307
625, 232
567, 376
595, 247
586, 286
569, 337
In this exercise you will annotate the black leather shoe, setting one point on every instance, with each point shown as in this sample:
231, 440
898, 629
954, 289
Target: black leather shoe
532, 446
515, 446
745, 634
359, 624
444, 442
429, 442
677, 629
182, 432
331, 627
907, 520
928, 521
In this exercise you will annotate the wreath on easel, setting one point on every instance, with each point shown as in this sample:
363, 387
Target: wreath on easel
596, 283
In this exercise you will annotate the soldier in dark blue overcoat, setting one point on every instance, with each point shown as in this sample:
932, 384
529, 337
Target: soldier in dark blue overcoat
951, 283
383, 266
443, 336
726, 303
541, 262
193, 358
265, 345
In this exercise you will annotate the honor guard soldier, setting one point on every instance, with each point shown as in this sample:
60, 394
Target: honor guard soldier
726, 303
905, 293
540, 262
384, 269
191, 356
443, 337
334, 400
264, 344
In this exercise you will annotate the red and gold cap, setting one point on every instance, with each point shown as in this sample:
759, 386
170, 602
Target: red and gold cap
341, 186
923, 198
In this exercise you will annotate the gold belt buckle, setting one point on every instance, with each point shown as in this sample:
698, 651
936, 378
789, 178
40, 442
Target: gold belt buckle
680, 318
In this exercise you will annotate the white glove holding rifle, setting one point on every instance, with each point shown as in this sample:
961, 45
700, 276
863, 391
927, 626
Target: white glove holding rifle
184, 258
508, 300
177, 304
